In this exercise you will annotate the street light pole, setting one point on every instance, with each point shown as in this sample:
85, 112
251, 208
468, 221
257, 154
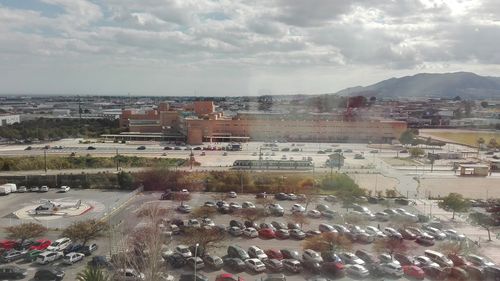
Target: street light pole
45, 159
195, 258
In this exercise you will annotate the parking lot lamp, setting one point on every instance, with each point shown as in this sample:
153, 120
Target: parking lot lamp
195, 258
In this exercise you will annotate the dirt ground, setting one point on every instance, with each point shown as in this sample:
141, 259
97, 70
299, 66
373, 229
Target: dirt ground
467, 137
374, 181
474, 188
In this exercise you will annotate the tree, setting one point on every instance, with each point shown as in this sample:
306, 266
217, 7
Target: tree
484, 104
480, 141
203, 212
416, 152
207, 238
327, 241
483, 220
91, 273
299, 218
454, 202
25, 231
391, 193
125, 180
264, 202
181, 197
492, 143
251, 214
354, 219
407, 137
85, 231
463, 247
391, 246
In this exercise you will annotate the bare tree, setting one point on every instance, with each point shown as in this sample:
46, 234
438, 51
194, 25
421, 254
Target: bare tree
457, 247
299, 218
25, 231
86, 230
251, 214
391, 246
203, 212
263, 202
207, 238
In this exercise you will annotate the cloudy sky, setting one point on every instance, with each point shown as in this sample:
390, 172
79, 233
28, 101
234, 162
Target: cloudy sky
238, 47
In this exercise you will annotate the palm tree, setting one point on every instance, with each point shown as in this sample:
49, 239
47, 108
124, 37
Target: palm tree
480, 141
92, 274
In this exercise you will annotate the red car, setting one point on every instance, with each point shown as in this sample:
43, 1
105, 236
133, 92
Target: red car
267, 233
8, 244
414, 271
273, 254
333, 268
228, 277
41, 244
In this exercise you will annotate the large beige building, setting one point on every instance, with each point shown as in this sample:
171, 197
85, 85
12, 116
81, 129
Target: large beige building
207, 125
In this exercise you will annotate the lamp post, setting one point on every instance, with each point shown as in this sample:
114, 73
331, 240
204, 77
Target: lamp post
195, 258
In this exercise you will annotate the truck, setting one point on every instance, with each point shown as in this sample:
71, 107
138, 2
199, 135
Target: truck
4, 189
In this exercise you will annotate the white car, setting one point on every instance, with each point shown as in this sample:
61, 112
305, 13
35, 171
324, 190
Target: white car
193, 223
64, 188
185, 191
372, 230
386, 258
184, 251
436, 233
453, 234
257, 253
48, 257
391, 268
128, 274
248, 205
59, 244
391, 232
255, 265
297, 208
44, 189
250, 232
358, 270
311, 255
232, 194
207, 222
424, 261
350, 258
73, 257
314, 214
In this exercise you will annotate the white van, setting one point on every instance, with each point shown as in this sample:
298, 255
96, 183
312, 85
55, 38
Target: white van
438, 258
59, 244
48, 257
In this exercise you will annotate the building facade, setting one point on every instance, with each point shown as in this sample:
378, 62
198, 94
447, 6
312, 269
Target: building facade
207, 125
9, 119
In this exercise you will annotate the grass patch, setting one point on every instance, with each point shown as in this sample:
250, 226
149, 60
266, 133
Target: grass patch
467, 138
401, 161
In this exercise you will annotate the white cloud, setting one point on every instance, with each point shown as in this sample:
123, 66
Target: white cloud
245, 40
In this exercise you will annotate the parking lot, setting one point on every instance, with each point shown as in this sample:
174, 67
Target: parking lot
224, 219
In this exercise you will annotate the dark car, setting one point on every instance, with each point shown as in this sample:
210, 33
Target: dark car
322, 207
12, 272
261, 195
331, 256
290, 254
89, 249
475, 272
404, 259
407, 234
176, 260
459, 274
235, 223
49, 274
312, 266
99, 261
273, 265
365, 256
167, 195
281, 196
73, 248
333, 268
142, 147
251, 224
167, 148
90, 148
235, 264
292, 225
192, 277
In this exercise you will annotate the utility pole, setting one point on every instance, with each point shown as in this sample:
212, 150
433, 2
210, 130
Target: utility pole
117, 161
45, 159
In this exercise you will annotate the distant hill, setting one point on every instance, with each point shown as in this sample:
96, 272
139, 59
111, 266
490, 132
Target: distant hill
445, 85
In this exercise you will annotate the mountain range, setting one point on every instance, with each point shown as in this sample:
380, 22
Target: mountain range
437, 85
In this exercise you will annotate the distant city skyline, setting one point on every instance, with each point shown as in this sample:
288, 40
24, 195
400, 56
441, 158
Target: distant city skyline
237, 48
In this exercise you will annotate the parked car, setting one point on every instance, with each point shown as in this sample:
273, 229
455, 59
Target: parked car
193, 277
59, 244
312, 266
297, 234
256, 252
228, 277
424, 261
72, 258
87, 250
311, 255
213, 261
48, 257
333, 268
12, 272
274, 254
479, 261
32, 255
267, 233
127, 274
290, 254
235, 251
297, 208
439, 258
413, 271
40, 244
282, 233
434, 272
404, 259
425, 240
232, 194
12, 255
46, 274
314, 214
255, 265
64, 189
184, 208
350, 258
100, 261
183, 250
250, 232
195, 261
454, 235
235, 264
358, 271
273, 265
73, 247
292, 265
392, 269
365, 256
